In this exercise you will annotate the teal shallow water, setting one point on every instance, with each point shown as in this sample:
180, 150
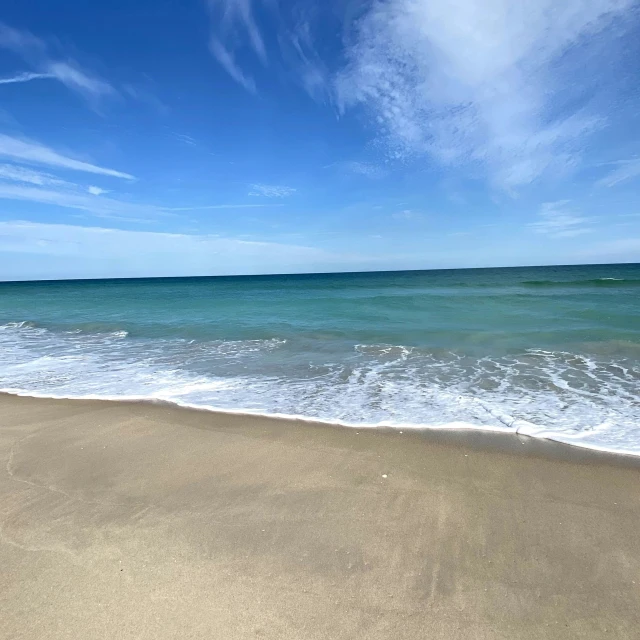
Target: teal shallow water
548, 351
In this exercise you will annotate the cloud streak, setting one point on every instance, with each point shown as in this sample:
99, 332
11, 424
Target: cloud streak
227, 60
233, 23
74, 198
21, 174
74, 78
37, 54
27, 185
235, 34
626, 170
479, 81
556, 220
271, 190
27, 76
30, 152
366, 169
299, 49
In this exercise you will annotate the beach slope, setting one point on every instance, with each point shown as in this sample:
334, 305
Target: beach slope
134, 520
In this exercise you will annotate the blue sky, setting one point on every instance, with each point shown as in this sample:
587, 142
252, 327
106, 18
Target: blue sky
195, 137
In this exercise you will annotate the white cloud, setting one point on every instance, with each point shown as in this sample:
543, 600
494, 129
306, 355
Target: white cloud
35, 153
229, 15
626, 170
76, 199
69, 250
183, 137
366, 169
15, 173
37, 54
145, 95
479, 81
21, 184
271, 190
78, 80
25, 77
234, 29
299, 50
558, 221
231, 21
24, 184
21, 42
228, 63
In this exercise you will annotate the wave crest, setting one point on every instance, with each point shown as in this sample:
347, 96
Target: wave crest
594, 282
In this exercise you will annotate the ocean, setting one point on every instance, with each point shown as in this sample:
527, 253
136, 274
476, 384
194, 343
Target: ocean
550, 352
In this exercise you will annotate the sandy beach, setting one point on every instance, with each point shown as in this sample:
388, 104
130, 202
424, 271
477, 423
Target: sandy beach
134, 520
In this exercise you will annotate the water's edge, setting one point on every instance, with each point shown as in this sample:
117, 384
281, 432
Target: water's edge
460, 427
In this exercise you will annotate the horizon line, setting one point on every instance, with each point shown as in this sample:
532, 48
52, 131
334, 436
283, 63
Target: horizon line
316, 273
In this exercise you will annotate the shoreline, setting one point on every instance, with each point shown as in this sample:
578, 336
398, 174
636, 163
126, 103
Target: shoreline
145, 520
467, 429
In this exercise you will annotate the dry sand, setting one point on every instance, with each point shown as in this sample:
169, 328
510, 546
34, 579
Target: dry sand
132, 520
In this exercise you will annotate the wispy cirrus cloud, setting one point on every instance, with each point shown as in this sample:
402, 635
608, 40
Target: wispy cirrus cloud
77, 197
47, 65
497, 85
21, 184
235, 33
625, 170
299, 49
481, 81
73, 77
26, 184
228, 62
270, 190
29, 152
557, 220
233, 15
184, 138
366, 169
233, 24
26, 76
16, 173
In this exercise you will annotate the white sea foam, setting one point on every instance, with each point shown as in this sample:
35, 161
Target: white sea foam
584, 401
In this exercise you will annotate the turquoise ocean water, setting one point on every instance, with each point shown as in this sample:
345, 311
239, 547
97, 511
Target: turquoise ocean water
547, 351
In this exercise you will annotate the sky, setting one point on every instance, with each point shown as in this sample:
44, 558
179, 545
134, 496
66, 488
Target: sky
214, 137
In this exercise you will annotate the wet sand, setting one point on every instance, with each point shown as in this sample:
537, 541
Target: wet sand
134, 520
